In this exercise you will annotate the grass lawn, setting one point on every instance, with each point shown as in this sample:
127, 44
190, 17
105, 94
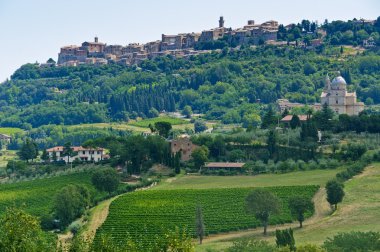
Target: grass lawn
10, 131
145, 123
359, 210
314, 177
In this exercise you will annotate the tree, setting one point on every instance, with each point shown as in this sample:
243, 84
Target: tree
200, 156
106, 180
285, 238
187, 111
50, 61
163, 128
199, 224
262, 204
70, 202
295, 122
177, 162
199, 126
335, 192
68, 151
28, 150
285, 113
20, 231
323, 118
298, 206
45, 156
269, 119
272, 143
309, 69
353, 241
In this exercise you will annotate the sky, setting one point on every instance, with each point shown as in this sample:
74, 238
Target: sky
34, 30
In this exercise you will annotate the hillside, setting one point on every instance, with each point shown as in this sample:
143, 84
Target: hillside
225, 85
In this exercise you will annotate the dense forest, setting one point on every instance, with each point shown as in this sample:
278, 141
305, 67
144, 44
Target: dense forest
232, 84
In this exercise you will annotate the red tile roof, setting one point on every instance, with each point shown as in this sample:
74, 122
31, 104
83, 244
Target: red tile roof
75, 148
288, 118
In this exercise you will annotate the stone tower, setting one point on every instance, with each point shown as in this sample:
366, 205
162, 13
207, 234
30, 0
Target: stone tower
221, 22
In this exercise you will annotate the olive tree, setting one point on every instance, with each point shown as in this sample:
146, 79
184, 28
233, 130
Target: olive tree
262, 204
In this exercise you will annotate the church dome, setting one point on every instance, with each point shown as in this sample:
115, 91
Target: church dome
338, 83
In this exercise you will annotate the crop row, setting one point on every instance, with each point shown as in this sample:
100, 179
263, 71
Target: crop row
37, 196
146, 214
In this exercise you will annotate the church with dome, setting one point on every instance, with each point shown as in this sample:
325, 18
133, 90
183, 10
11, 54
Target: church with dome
335, 95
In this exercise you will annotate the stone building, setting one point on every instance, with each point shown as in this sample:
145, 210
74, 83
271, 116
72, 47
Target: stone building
184, 145
335, 95
113, 49
94, 47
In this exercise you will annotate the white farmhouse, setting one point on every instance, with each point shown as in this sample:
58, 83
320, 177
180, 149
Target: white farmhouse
81, 153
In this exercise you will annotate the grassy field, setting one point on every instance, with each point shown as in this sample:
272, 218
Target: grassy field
5, 157
145, 123
118, 126
36, 197
359, 210
314, 177
10, 131
139, 126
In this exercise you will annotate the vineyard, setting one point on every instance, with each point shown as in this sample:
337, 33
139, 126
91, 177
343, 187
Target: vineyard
36, 197
144, 215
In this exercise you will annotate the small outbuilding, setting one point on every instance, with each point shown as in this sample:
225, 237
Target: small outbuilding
224, 166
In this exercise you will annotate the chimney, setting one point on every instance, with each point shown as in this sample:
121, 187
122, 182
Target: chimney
96, 39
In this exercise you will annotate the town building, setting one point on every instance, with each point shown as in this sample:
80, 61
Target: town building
285, 104
81, 154
286, 120
5, 138
335, 95
183, 145
178, 45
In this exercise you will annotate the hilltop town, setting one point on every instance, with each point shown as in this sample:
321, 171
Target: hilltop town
180, 45
184, 45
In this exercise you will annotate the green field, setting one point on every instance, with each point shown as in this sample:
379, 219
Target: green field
359, 210
10, 131
145, 214
145, 122
117, 126
36, 197
313, 177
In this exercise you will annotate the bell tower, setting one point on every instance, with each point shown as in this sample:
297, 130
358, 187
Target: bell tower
221, 22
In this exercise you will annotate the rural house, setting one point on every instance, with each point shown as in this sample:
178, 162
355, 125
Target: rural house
81, 154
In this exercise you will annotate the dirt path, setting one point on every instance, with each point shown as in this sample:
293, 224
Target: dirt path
322, 209
97, 217
99, 214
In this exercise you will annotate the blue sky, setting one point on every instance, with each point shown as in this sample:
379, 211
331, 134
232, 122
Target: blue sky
34, 30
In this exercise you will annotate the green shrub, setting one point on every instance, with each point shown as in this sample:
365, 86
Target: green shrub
353, 241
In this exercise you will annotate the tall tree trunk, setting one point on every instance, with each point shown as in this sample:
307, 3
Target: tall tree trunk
265, 228
300, 224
